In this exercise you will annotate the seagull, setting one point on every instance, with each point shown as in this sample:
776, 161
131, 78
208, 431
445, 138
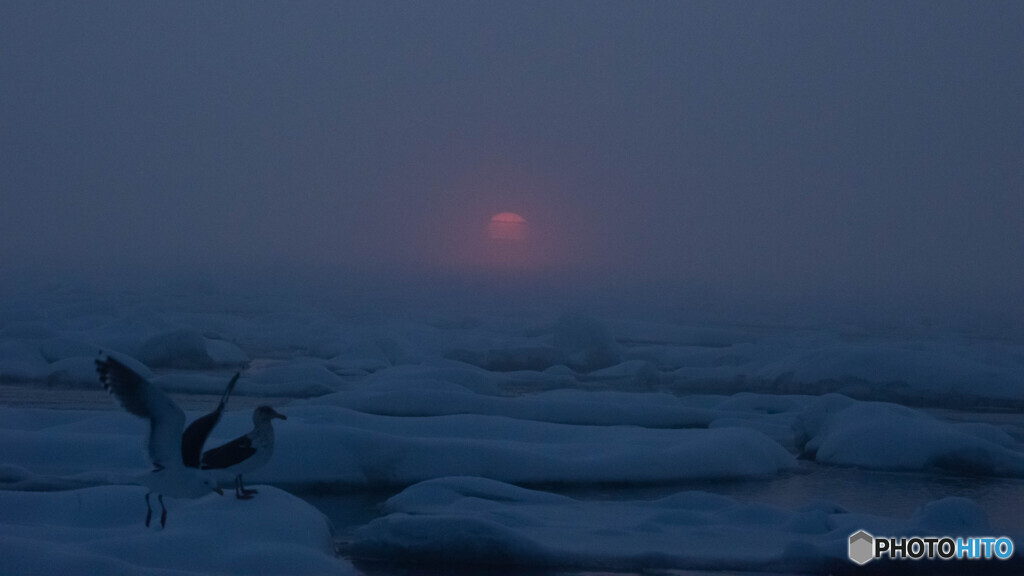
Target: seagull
174, 453
245, 453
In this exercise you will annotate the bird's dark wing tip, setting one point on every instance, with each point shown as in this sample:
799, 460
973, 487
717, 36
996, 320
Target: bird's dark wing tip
194, 437
124, 384
228, 454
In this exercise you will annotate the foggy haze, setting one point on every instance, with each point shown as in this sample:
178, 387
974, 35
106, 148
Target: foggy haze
735, 158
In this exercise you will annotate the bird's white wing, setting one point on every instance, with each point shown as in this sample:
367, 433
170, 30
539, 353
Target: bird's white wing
142, 398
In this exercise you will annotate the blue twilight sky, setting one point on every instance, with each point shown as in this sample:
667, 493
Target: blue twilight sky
817, 154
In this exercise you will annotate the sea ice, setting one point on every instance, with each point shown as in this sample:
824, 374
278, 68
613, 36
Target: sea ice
100, 531
885, 436
477, 521
400, 397
190, 350
325, 444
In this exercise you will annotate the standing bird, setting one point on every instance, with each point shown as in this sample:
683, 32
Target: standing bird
245, 453
174, 453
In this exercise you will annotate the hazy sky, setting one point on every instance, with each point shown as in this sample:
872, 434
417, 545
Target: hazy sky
818, 152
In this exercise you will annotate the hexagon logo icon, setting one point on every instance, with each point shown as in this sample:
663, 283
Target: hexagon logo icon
861, 549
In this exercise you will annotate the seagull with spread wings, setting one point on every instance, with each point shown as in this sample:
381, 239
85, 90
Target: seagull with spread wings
174, 451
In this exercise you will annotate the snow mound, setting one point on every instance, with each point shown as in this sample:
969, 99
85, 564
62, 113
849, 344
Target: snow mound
190, 350
353, 447
74, 372
55, 349
100, 531
20, 363
629, 375
887, 436
483, 522
948, 369
299, 379
192, 383
366, 356
565, 406
473, 378
585, 343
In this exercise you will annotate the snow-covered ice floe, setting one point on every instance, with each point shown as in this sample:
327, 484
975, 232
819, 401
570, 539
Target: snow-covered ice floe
884, 436
423, 397
326, 444
100, 531
832, 429
408, 404
477, 521
565, 437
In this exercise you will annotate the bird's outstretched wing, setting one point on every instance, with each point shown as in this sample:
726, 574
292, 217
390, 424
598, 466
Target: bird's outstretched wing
229, 454
141, 398
197, 432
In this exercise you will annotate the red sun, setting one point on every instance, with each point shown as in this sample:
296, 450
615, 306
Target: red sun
507, 226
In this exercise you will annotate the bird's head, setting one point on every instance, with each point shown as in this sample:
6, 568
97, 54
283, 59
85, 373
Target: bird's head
265, 414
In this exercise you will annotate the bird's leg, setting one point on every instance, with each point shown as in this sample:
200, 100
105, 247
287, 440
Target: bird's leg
246, 491
163, 515
149, 510
240, 492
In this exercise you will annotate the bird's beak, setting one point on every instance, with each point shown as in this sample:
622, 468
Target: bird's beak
218, 490
279, 415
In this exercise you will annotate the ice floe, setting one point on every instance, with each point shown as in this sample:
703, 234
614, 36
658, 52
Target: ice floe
884, 436
484, 522
100, 531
